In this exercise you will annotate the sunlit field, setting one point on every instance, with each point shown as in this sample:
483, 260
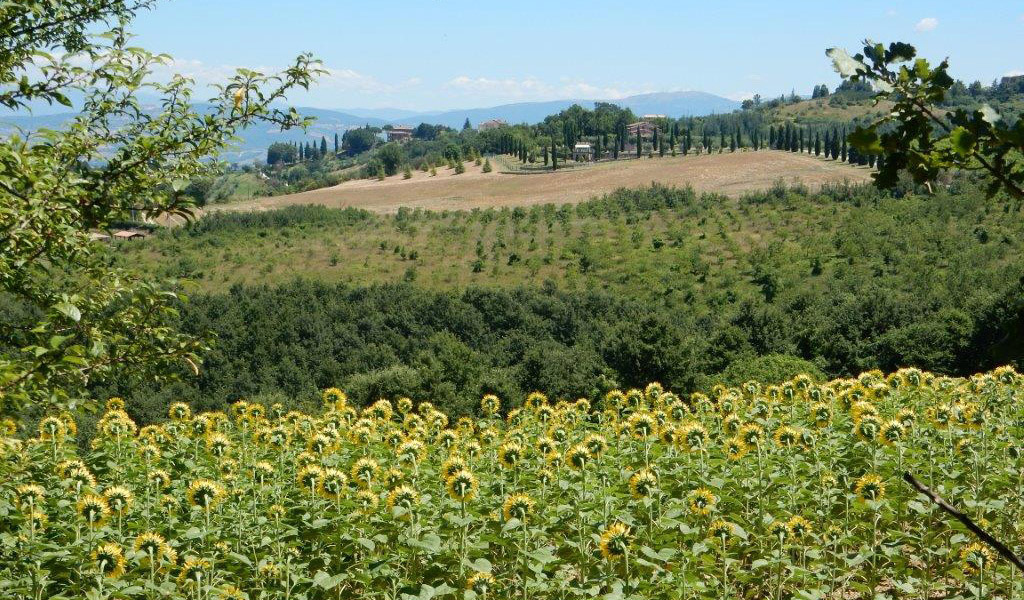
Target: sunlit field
781, 491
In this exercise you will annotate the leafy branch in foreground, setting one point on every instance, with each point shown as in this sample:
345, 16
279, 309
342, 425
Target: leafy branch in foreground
920, 138
71, 320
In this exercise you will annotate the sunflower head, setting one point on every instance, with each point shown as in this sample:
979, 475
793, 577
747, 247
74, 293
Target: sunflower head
119, 499
403, 497
975, 557
490, 405
799, 527
517, 506
868, 428
29, 495
721, 531
52, 428
364, 471
159, 479
108, 560
786, 437
205, 493
577, 457
751, 434
694, 436
480, 582
462, 485
892, 432
870, 487
193, 572
615, 541
642, 425
179, 411
152, 545
736, 448
94, 510
332, 484
596, 444
643, 484
509, 454
779, 530
702, 502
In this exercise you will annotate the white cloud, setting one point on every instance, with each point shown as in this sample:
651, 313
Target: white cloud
891, 13
926, 24
1014, 73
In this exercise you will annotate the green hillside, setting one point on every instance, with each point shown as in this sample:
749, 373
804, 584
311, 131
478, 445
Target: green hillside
661, 284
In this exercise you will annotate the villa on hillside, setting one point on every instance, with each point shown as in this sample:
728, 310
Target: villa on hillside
582, 152
492, 124
652, 117
645, 128
400, 133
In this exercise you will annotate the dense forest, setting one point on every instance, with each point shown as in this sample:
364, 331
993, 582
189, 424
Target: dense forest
835, 282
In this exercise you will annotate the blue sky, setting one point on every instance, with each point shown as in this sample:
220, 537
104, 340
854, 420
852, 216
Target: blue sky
440, 54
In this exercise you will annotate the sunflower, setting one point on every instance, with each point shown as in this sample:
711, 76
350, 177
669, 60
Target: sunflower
152, 545
546, 445
52, 428
160, 478
404, 497
193, 572
596, 445
334, 398
614, 541
736, 448
367, 501
751, 434
29, 495
786, 437
509, 454
546, 476
577, 457
490, 405
332, 484
205, 493
230, 592
868, 428
892, 432
702, 502
798, 527
721, 530
694, 436
643, 484
364, 470
642, 425
411, 451
119, 499
452, 465
109, 560
870, 487
517, 506
462, 486
94, 510
8, 428
480, 583
731, 423
321, 443
975, 557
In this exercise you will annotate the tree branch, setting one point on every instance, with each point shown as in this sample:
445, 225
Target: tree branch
967, 522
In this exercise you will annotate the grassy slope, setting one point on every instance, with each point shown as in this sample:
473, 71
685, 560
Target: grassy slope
709, 246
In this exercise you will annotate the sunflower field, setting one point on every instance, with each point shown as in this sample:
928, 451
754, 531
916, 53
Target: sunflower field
757, 492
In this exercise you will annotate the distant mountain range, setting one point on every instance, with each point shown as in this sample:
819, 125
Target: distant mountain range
328, 122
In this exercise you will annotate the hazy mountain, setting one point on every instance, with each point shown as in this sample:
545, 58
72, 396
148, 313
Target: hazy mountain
328, 122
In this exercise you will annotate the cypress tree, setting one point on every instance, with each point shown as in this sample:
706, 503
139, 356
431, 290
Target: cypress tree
323, 146
732, 143
771, 136
817, 144
615, 149
721, 141
661, 147
545, 153
554, 156
336, 143
639, 142
843, 153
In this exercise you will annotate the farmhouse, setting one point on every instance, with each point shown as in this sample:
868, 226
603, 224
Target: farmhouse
582, 152
399, 133
645, 128
652, 117
492, 124
97, 236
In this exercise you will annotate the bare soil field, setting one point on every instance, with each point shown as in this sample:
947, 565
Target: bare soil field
731, 174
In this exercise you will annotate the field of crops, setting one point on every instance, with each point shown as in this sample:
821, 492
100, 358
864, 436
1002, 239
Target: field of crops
782, 491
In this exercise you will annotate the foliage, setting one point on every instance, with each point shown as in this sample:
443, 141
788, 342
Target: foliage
80, 321
788, 490
916, 136
280, 152
770, 367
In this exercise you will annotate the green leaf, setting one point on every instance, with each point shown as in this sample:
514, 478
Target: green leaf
846, 65
962, 141
69, 310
